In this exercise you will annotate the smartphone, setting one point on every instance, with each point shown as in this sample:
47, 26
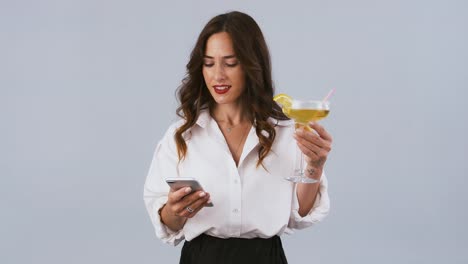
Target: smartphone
181, 182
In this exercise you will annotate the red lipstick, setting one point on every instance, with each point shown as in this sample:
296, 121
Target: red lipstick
221, 89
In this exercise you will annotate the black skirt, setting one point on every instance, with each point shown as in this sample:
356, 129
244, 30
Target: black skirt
212, 250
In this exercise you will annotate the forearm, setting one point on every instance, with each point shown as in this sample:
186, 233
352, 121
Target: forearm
307, 193
173, 222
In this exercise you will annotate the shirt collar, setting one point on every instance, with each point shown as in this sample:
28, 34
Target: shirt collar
204, 118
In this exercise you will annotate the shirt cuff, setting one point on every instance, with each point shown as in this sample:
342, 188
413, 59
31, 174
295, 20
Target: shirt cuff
162, 231
319, 210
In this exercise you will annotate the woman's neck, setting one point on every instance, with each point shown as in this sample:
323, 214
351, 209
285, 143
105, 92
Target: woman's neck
230, 114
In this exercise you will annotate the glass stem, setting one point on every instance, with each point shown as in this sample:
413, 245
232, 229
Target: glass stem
302, 159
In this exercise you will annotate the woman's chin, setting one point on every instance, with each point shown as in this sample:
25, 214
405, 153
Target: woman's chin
221, 99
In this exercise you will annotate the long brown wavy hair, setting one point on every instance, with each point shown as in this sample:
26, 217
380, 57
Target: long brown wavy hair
257, 99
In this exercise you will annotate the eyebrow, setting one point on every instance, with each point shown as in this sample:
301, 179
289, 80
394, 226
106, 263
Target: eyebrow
224, 57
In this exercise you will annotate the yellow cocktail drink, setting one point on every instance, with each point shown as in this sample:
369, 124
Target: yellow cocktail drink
305, 115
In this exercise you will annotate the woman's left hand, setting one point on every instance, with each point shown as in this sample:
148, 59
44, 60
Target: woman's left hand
315, 144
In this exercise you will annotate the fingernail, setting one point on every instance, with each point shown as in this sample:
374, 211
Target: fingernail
209, 201
188, 189
202, 194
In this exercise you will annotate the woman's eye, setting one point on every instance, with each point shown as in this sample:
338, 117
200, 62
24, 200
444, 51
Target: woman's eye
211, 64
231, 64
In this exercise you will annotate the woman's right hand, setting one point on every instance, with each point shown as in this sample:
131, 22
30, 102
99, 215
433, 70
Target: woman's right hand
182, 204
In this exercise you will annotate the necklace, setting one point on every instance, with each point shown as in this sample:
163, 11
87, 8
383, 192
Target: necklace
228, 128
244, 135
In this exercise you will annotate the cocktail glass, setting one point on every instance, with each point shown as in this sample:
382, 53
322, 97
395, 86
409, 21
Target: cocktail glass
302, 112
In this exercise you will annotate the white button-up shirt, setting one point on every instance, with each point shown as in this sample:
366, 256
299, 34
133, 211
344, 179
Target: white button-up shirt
249, 201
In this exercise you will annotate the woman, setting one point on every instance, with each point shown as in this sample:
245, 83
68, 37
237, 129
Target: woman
239, 145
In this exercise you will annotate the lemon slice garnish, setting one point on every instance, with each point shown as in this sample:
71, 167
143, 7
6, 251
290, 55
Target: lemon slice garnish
285, 101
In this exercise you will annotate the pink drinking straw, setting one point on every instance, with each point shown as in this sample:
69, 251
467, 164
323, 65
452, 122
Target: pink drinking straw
332, 91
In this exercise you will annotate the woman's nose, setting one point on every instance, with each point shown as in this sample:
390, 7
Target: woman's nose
219, 73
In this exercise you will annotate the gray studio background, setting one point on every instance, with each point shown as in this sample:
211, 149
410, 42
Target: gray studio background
87, 90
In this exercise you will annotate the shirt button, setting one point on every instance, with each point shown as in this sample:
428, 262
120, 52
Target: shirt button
235, 211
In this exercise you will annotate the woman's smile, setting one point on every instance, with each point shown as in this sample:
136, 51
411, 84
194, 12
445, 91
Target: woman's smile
221, 89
